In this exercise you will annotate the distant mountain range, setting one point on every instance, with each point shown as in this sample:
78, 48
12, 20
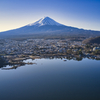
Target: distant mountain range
47, 26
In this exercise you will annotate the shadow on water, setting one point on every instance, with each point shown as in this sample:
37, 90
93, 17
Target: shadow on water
2, 63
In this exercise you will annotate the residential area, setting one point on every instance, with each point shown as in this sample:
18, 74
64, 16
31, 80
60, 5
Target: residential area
44, 48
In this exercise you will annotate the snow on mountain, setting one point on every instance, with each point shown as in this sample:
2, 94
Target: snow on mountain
45, 21
43, 27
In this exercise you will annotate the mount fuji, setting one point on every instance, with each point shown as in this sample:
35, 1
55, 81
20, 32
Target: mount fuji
45, 21
46, 26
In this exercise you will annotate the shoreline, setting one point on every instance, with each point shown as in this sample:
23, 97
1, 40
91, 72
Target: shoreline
17, 61
12, 59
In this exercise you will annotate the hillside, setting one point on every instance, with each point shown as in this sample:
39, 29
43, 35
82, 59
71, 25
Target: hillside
46, 27
92, 40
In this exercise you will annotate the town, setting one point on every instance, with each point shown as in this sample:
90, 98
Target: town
15, 51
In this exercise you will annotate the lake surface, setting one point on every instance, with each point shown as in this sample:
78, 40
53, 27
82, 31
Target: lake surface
52, 79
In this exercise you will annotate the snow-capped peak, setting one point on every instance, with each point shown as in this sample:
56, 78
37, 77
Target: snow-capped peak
45, 21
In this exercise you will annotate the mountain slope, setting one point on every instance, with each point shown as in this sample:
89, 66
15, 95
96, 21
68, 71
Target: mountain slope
45, 21
92, 40
45, 26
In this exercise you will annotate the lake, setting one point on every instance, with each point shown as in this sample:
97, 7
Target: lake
52, 79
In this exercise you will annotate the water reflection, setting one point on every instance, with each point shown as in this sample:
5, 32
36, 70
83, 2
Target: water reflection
4, 65
55, 79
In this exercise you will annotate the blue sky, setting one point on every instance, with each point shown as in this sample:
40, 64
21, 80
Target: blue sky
77, 13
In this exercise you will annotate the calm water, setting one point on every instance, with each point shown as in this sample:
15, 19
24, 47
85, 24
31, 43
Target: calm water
52, 79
